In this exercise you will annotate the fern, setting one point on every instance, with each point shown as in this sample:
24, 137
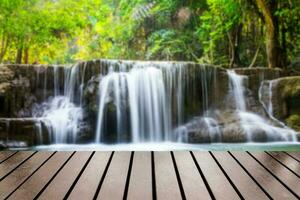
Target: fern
143, 11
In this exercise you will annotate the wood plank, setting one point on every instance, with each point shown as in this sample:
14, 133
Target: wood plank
140, 185
295, 154
263, 177
91, 175
220, 186
193, 185
5, 154
10, 164
36, 182
60, 185
165, 176
286, 160
287, 177
247, 187
11, 182
114, 183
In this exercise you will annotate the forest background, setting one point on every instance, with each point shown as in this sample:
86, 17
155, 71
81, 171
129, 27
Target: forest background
231, 33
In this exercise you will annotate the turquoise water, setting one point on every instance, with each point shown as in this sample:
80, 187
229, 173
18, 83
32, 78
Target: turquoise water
167, 146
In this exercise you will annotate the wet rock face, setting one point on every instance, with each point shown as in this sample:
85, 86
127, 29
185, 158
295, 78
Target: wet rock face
257, 75
12, 144
282, 96
293, 121
6, 76
26, 130
24, 87
229, 127
229, 133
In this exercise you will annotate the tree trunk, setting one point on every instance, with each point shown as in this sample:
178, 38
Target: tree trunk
26, 55
283, 46
4, 46
234, 41
19, 55
272, 37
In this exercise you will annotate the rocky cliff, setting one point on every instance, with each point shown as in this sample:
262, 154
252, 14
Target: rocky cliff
25, 88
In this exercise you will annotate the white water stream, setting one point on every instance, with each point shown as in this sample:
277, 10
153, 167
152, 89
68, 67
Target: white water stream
148, 101
59, 114
147, 89
251, 122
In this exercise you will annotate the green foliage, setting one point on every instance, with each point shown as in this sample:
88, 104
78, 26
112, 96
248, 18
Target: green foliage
170, 45
289, 16
62, 31
216, 22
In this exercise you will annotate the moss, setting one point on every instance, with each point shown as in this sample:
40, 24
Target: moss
290, 86
294, 122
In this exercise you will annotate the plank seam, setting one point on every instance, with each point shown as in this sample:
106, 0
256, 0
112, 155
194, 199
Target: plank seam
11, 171
178, 176
249, 174
30, 175
154, 195
128, 176
292, 156
283, 164
8, 157
202, 176
227, 177
103, 176
278, 179
52, 178
79, 175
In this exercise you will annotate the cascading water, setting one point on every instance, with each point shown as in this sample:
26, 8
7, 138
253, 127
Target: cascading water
238, 90
270, 105
251, 121
147, 89
60, 115
207, 124
140, 101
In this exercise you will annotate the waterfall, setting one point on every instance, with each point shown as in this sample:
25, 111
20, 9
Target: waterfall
59, 113
39, 131
204, 124
268, 105
148, 90
145, 101
45, 83
251, 122
56, 81
236, 85
208, 126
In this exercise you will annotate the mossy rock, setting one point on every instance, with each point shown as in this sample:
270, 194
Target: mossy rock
289, 86
294, 122
285, 96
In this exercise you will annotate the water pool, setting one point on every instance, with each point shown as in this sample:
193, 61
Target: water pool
168, 146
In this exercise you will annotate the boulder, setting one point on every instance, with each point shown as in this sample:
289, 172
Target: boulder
285, 96
257, 75
24, 130
293, 121
232, 133
232, 127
